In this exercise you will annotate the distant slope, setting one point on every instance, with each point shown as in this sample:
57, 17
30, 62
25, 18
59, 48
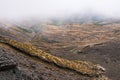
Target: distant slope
14, 31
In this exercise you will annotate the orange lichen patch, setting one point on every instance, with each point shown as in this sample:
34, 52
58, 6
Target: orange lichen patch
83, 67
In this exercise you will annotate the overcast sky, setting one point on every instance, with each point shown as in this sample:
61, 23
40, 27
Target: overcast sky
46, 8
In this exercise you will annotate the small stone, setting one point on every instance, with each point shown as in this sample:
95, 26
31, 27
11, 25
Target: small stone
6, 64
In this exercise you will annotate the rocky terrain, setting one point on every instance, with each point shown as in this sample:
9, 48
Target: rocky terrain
96, 43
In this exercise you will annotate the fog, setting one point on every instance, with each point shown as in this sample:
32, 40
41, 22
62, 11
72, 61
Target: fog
55, 8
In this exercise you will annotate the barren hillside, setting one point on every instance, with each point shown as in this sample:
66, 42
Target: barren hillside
69, 51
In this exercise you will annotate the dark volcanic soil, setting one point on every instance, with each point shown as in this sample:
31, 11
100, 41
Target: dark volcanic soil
106, 54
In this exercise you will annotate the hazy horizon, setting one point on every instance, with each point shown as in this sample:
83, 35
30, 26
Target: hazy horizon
57, 8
